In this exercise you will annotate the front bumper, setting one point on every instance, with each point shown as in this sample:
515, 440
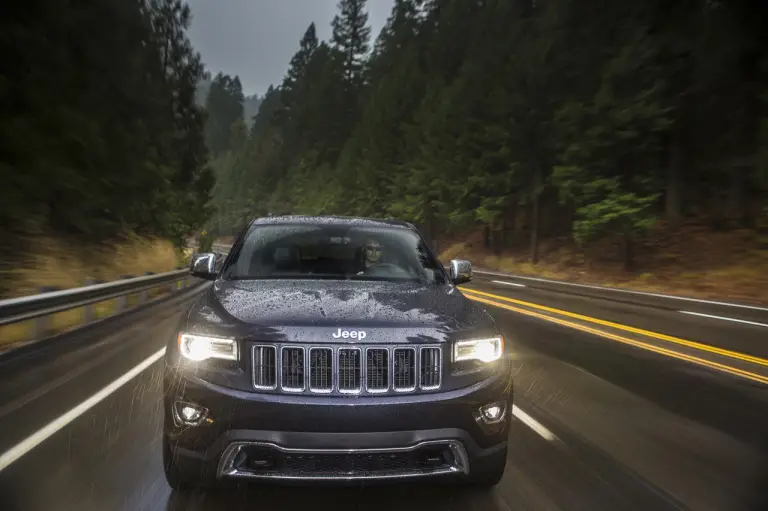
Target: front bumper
291, 437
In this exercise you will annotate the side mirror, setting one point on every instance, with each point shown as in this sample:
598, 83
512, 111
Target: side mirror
461, 271
203, 266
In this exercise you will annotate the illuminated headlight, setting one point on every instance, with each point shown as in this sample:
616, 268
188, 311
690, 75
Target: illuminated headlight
201, 347
484, 350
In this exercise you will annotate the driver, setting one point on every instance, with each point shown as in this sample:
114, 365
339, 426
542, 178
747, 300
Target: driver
372, 252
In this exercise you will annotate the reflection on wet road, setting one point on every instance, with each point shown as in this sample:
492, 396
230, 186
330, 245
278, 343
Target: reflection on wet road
600, 426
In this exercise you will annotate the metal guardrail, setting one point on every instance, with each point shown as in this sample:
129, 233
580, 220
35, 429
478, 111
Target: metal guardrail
38, 307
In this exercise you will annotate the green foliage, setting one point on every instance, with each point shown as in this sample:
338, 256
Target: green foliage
484, 113
608, 144
224, 107
206, 243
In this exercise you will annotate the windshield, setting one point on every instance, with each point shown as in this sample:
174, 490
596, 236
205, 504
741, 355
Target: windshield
333, 252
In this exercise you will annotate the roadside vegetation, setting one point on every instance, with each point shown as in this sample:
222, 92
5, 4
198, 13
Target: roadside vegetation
689, 261
101, 141
568, 138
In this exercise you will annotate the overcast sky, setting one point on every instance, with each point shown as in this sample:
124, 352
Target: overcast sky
255, 39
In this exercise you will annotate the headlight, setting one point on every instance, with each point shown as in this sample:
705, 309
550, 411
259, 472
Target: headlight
201, 347
484, 350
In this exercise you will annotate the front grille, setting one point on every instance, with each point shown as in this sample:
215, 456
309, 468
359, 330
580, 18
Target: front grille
349, 370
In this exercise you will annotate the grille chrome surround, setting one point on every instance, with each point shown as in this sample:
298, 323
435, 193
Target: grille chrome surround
430, 363
321, 367
377, 370
354, 369
264, 363
404, 369
459, 465
349, 377
294, 372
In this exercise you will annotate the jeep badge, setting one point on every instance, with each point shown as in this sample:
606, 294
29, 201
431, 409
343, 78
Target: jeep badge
346, 334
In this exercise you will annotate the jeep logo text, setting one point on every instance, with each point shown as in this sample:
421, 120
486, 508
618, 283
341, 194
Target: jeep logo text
347, 334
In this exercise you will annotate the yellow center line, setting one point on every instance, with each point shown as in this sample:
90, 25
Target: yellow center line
626, 328
662, 351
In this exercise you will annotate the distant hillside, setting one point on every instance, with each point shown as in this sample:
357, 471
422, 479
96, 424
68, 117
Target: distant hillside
250, 105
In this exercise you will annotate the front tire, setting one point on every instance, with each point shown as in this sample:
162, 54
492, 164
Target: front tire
490, 473
200, 477
173, 475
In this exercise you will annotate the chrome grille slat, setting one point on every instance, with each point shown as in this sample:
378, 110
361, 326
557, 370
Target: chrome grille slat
404, 370
377, 370
429, 368
292, 366
264, 361
346, 369
350, 370
320, 369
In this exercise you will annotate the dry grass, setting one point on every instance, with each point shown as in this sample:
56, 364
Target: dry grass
692, 261
56, 263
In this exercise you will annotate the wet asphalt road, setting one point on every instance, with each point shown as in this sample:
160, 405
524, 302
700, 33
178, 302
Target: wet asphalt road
617, 428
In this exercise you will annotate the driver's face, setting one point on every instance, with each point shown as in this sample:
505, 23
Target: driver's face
372, 252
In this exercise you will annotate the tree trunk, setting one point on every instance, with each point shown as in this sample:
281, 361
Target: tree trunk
735, 210
629, 253
535, 220
673, 199
497, 242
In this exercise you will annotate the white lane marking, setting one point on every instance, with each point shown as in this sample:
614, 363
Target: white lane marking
508, 283
39, 436
532, 423
724, 318
628, 291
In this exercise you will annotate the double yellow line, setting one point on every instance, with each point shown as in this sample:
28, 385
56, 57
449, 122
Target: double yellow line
483, 297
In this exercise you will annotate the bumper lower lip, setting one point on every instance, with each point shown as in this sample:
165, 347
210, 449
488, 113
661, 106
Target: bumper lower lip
458, 464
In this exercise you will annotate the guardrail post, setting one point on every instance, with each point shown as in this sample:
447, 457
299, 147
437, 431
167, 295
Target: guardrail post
122, 300
89, 311
41, 326
144, 295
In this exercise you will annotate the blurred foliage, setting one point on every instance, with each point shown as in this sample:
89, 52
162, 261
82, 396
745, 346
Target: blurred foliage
206, 243
100, 133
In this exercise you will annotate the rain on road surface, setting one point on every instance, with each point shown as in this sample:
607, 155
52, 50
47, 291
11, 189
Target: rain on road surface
599, 425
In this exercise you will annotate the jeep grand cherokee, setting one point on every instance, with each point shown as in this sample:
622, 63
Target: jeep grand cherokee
334, 349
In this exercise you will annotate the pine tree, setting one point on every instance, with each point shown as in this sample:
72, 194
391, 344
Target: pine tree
298, 65
351, 37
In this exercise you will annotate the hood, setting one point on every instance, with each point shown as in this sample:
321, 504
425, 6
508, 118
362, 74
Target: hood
325, 303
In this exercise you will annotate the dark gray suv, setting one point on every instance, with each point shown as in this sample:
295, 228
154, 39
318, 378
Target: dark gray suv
334, 349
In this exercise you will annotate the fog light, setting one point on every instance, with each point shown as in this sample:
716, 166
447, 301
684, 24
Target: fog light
494, 412
188, 414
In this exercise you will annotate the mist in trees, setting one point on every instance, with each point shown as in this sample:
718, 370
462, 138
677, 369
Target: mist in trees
588, 119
